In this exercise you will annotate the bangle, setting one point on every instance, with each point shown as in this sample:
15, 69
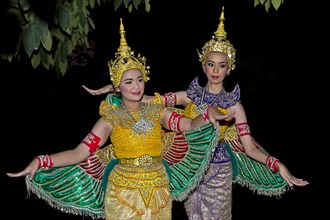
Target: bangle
243, 129
45, 161
170, 99
92, 141
271, 163
174, 122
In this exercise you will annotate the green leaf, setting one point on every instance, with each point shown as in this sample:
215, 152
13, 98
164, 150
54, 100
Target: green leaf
80, 29
47, 40
64, 18
82, 19
58, 34
92, 3
61, 59
35, 61
25, 4
136, 3
64, 51
75, 20
126, 3
8, 57
46, 59
147, 5
276, 4
28, 40
256, 2
63, 67
267, 5
86, 29
117, 3
41, 32
74, 38
37, 34
80, 3
70, 47
91, 23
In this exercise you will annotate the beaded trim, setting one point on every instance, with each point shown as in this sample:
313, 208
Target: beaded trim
225, 99
140, 121
144, 160
243, 129
170, 99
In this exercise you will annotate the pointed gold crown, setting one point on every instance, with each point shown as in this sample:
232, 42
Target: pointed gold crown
219, 43
125, 60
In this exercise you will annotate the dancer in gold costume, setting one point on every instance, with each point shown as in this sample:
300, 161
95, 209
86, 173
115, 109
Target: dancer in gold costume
131, 170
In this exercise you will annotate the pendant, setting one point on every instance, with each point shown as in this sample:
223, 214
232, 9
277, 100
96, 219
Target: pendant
200, 109
142, 126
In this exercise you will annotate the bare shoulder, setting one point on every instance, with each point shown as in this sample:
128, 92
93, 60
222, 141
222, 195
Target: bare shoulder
182, 98
238, 105
148, 98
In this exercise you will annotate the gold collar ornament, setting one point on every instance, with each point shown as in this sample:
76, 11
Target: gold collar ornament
219, 43
126, 60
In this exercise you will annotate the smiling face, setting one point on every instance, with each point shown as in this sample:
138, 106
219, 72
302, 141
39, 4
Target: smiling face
132, 86
216, 67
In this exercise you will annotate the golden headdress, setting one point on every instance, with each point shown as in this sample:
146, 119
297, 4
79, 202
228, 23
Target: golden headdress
219, 43
125, 60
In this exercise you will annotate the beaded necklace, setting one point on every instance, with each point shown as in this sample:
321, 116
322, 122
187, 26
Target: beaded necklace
200, 108
141, 125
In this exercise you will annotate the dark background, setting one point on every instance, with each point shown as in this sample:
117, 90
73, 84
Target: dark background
278, 68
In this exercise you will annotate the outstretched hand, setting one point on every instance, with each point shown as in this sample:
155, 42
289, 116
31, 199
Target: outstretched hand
104, 89
30, 170
289, 178
215, 115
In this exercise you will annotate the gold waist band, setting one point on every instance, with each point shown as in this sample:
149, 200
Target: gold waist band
144, 160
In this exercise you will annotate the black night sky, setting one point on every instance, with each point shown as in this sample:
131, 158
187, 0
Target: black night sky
277, 68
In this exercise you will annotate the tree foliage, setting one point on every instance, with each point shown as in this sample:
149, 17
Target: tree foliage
269, 4
53, 31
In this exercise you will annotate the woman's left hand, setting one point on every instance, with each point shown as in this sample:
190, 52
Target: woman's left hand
215, 115
104, 89
289, 178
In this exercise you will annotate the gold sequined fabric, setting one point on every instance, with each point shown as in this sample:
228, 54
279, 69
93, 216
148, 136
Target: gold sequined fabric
138, 186
126, 142
141, 190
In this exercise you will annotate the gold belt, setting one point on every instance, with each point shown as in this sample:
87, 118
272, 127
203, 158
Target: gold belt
144, 160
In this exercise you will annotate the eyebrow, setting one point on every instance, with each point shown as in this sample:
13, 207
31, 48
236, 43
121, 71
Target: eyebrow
140, 77
127, 79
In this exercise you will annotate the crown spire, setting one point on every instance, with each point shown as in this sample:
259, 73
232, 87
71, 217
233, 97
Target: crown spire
221, 27
123, 47
126, 60
219, 43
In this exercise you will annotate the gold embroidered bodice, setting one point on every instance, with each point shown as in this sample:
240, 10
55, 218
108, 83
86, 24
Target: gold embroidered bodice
145, 138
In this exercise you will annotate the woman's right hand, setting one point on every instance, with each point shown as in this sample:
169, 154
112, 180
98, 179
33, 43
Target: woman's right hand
104, 89
30, 170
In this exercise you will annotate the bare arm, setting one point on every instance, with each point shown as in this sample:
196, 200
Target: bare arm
103, 90
182, 123
181, 96
69, 157
254, 152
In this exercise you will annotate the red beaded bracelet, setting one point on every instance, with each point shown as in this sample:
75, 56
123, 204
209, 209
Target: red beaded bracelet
45, 161
271, 163
243, 129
